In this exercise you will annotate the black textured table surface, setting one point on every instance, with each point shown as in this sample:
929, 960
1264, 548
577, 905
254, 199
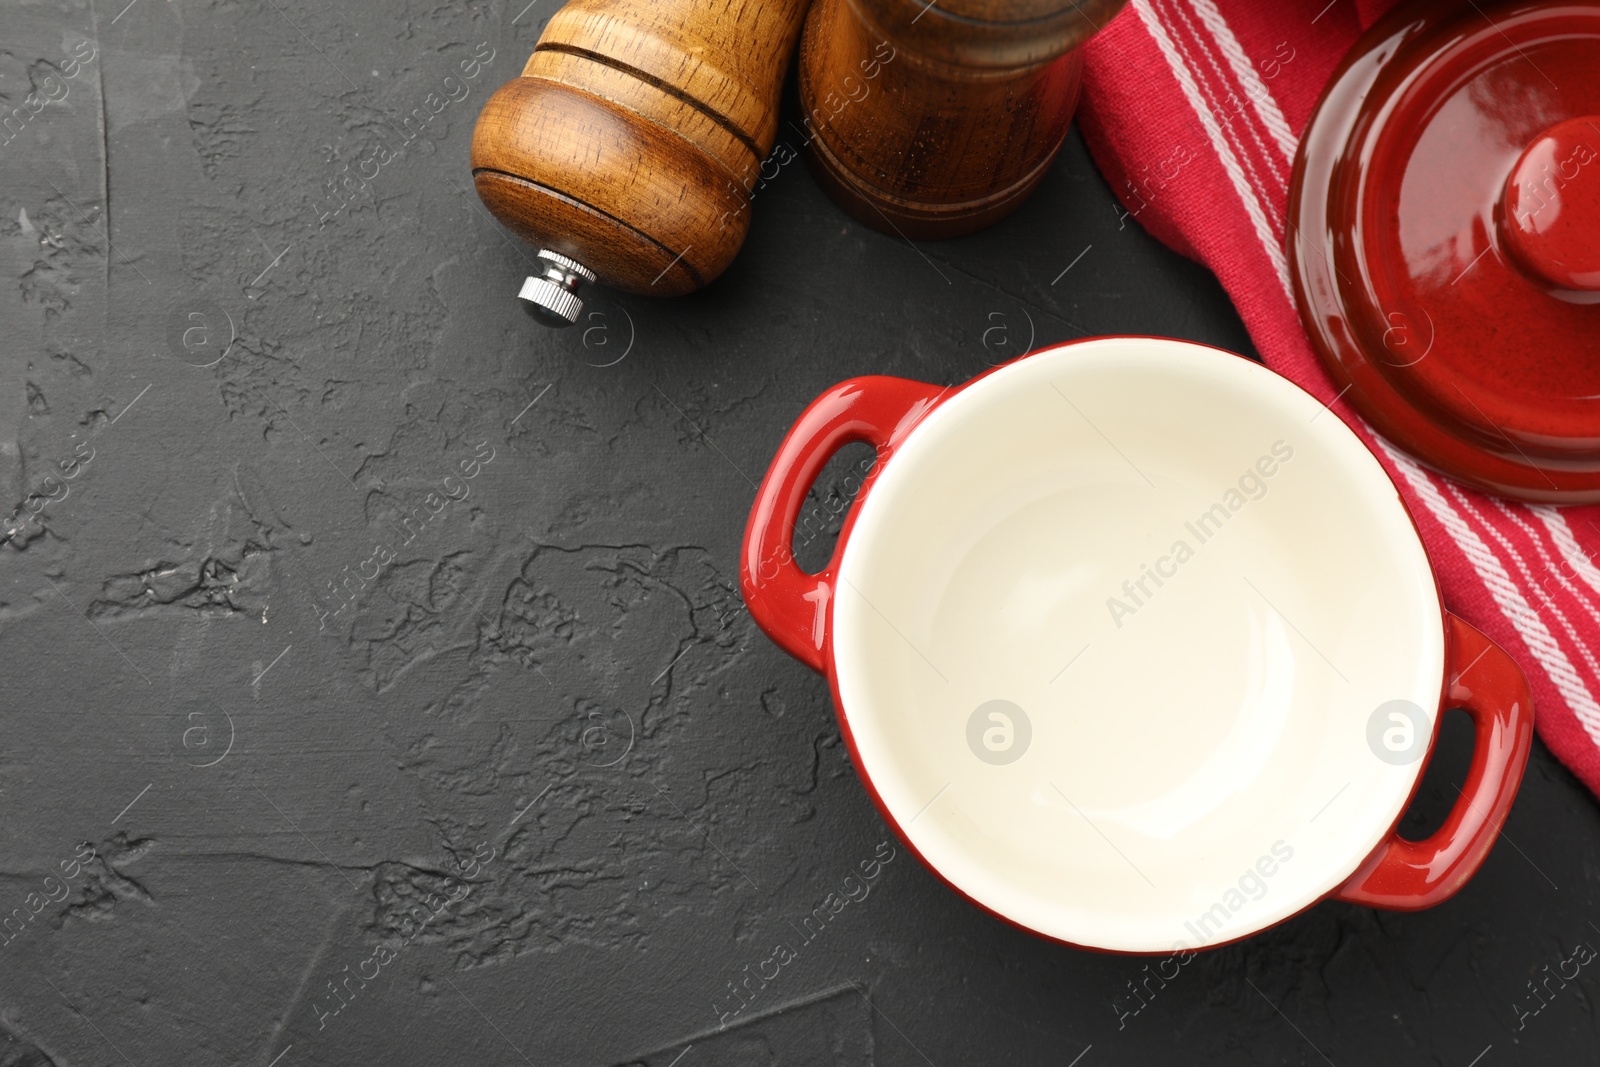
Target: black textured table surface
377, 687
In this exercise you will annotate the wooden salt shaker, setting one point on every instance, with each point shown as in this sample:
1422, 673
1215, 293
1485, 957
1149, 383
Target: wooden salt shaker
627, 149
937, 119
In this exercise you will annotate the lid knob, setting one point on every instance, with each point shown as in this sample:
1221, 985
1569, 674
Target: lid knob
1550, 218
551, 297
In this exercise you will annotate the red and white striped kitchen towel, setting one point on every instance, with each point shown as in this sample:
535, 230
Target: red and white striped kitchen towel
1192, 109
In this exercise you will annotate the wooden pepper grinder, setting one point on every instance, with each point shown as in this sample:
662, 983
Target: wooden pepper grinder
627, 149
938, 119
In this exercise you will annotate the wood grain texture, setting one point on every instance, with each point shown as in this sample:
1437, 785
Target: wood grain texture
936, 121
635, 133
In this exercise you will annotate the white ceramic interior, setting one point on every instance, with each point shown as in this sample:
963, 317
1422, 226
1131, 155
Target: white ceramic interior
1204, 755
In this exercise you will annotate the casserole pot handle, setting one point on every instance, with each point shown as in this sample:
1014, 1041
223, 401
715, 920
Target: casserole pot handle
786, 602
1403, 875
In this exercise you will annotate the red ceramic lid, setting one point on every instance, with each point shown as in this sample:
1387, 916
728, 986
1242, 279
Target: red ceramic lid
1446, 250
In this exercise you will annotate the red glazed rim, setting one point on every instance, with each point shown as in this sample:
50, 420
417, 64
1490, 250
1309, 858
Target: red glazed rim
797, 611
1440, 321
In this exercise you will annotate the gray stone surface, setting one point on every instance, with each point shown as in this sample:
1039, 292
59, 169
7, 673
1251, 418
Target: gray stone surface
285, 780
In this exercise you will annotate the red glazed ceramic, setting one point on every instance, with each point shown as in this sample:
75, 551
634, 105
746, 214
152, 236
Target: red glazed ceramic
1445, 213
1135, 645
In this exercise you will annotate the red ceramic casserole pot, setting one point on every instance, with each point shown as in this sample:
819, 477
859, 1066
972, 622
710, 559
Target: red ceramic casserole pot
1135, 645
